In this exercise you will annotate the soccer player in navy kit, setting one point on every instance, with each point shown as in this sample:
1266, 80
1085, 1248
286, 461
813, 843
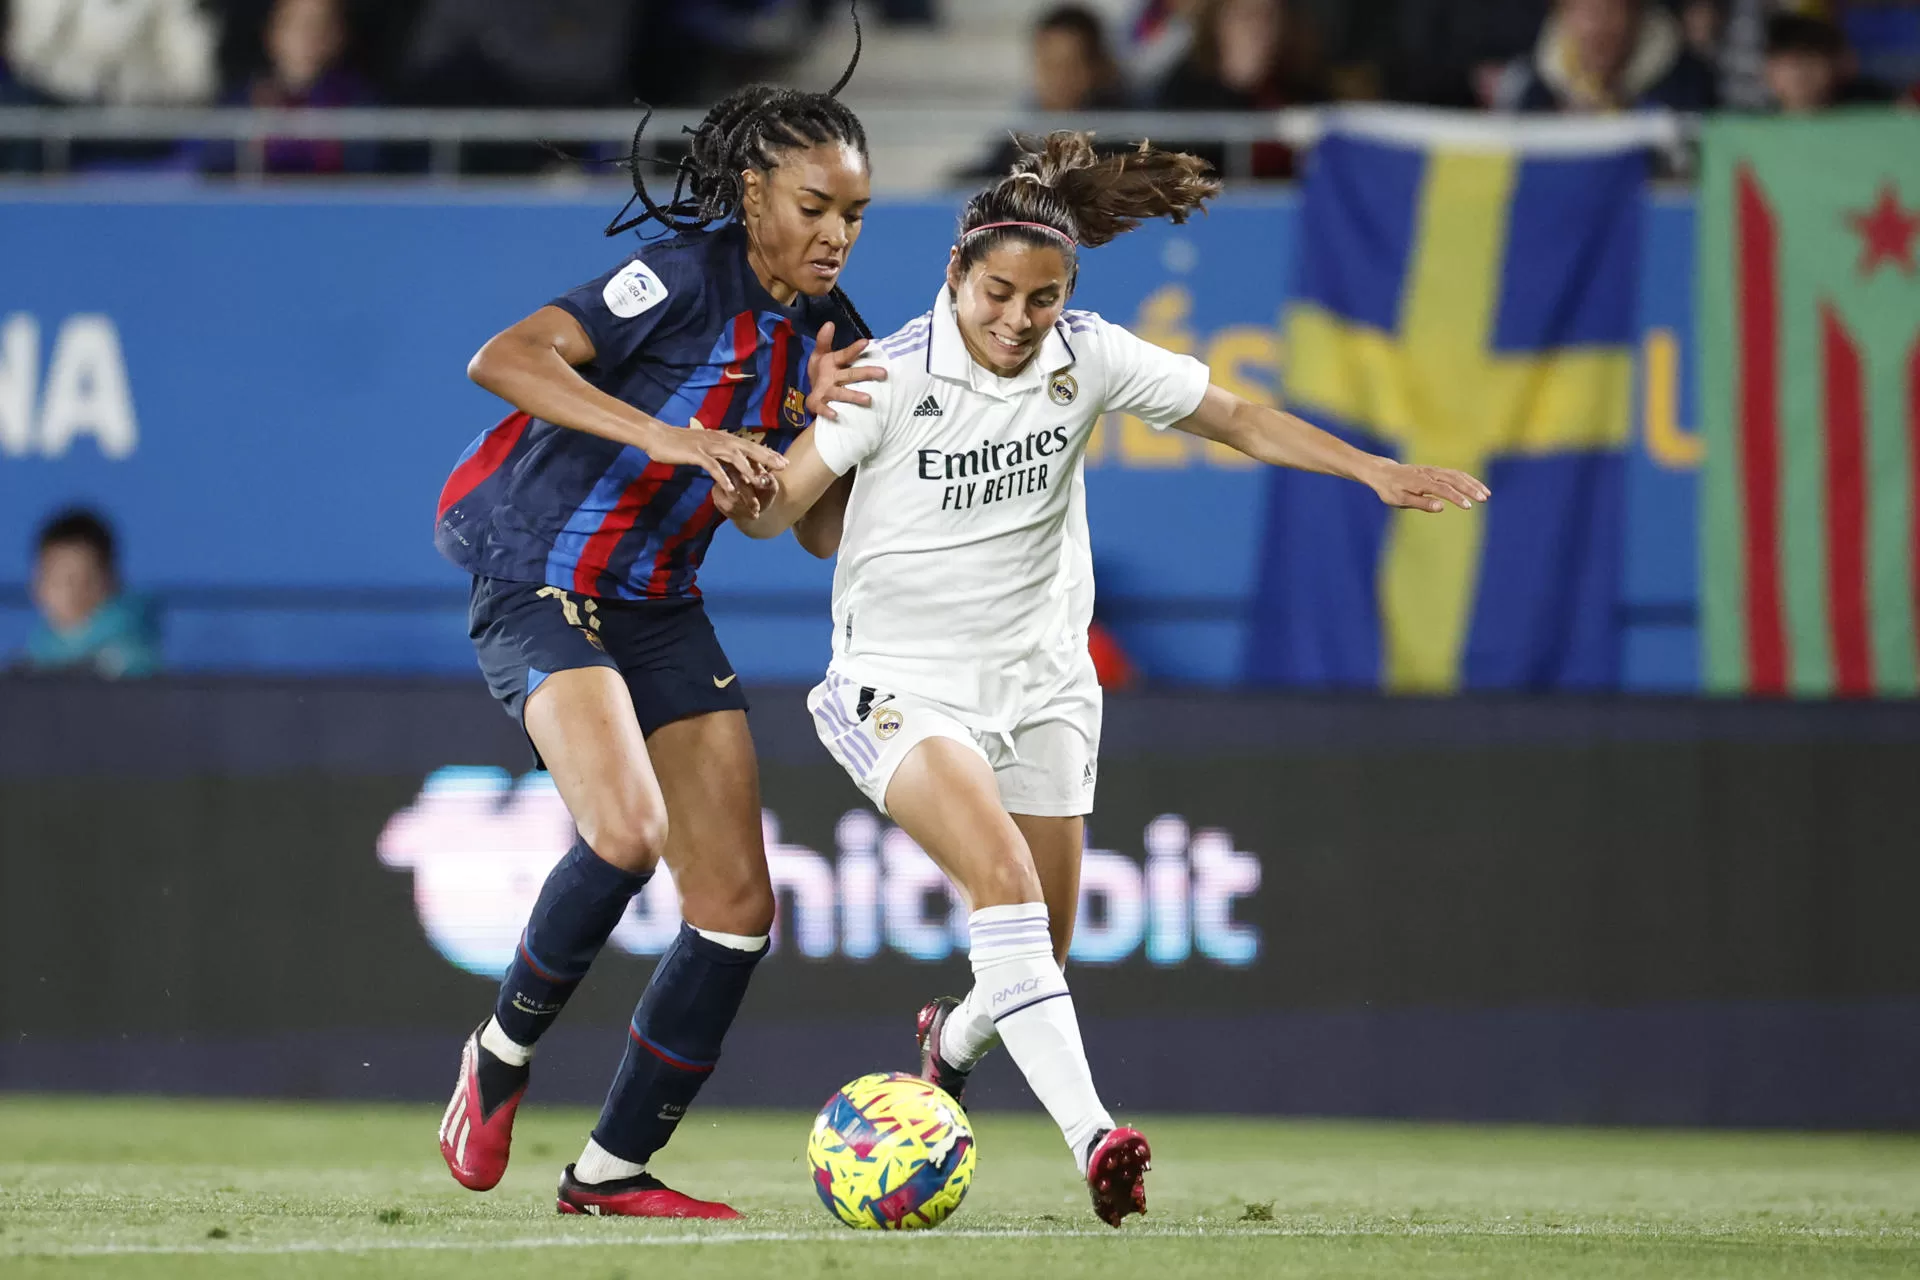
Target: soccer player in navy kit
645, 400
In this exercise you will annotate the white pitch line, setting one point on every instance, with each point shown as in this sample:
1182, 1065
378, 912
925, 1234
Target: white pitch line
622, 1242
1224, 1232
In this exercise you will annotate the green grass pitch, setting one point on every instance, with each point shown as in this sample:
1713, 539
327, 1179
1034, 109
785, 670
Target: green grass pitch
159, 1188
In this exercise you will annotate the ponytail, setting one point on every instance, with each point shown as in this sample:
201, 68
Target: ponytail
1062, 191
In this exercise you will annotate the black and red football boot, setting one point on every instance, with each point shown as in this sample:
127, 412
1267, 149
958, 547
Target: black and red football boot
1116, 1174
643, 1196
477, 1129
936, 1069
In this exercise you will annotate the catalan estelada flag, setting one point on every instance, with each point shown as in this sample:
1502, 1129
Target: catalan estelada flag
1467, 297
1810, 394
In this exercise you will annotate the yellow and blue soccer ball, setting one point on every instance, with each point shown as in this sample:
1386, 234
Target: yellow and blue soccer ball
891, 1152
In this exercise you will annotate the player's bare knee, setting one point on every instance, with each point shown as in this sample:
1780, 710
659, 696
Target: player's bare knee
751, 912
745, 907
631, 834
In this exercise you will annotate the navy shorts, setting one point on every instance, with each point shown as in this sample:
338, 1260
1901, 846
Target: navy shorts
665, 649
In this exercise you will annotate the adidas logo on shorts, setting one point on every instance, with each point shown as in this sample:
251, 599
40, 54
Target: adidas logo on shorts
928, 408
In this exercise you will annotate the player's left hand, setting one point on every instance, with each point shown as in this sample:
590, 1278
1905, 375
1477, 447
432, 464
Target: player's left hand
1400, 484
831, 374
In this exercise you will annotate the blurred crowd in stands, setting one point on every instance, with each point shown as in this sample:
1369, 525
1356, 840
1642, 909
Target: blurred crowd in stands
1523, 55
1578, 56
1527, 55
1177, 55
1180, 54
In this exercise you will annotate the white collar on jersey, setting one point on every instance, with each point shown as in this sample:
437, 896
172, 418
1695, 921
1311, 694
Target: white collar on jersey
947, 357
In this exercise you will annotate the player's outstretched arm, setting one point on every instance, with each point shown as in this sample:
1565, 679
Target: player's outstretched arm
769, 509
1280, 439
532, 366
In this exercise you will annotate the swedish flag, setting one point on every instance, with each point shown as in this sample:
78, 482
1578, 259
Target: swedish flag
1469, 303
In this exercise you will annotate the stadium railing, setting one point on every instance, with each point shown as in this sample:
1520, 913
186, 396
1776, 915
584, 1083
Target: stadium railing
445, 132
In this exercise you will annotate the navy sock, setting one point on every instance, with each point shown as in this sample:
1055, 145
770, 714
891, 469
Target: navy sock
673, 1042
581, 902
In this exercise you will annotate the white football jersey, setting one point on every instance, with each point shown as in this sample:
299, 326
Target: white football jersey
966, 570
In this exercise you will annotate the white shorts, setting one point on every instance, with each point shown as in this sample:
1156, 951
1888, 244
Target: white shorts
1046, 765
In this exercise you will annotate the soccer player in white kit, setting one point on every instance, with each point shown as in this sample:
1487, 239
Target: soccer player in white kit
960, 697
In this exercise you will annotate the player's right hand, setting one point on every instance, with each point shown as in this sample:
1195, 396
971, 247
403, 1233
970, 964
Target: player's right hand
746, 499
715, 452
831, 374
1418, 488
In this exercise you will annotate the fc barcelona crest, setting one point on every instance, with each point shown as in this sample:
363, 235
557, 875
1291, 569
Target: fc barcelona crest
795, 408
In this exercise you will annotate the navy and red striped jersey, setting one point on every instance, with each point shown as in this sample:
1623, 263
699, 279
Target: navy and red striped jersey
682, 331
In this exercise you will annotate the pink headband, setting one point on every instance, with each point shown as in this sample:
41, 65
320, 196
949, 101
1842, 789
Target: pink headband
1037, 226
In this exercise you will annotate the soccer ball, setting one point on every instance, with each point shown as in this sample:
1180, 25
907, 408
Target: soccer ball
891, 1152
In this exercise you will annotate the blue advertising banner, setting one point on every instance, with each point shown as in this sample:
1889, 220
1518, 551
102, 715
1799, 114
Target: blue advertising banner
264, 390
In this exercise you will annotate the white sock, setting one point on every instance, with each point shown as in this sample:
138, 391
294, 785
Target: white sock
738, 941
1025, 994
496, 1042
597, 1164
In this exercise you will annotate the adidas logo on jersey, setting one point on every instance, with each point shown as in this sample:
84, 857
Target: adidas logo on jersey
928, 408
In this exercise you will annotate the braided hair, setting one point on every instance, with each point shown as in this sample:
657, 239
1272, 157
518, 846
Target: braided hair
1063, 194
748, 129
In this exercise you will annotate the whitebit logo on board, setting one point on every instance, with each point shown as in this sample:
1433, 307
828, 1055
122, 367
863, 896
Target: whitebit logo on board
480, 844
86, 393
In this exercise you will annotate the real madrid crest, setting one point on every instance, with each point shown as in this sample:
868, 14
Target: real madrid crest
1061, 388
795, 408
886, 723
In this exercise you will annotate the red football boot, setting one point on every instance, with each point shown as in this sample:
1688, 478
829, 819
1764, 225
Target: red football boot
475, 1136
1116, 1174
644, 1196
934, 1068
